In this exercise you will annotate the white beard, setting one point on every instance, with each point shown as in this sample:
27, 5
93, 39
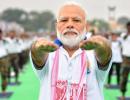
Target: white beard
71, 40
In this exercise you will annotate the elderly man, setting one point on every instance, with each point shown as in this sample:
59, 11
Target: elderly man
72, 71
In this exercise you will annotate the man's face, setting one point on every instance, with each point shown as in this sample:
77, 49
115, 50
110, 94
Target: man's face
114, 37
71, 22
12, 34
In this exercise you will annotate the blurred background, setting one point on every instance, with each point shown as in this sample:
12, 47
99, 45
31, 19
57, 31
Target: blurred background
23, 21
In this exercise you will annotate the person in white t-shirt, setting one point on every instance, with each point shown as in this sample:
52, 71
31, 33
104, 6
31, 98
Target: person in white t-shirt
13, 47
125, 41
77, 69
117, 58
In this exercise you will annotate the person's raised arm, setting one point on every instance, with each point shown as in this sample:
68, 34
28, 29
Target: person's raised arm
102, 49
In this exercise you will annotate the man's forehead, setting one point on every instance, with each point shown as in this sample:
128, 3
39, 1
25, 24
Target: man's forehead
71, 9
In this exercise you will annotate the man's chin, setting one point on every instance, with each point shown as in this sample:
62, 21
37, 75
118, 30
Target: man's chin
70, 41
70, 44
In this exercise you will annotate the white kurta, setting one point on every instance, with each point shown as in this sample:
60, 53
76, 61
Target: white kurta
70, 70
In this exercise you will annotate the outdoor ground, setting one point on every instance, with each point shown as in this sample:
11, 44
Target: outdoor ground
29, 87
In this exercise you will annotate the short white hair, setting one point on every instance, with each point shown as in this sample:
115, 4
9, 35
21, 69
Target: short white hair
70, 3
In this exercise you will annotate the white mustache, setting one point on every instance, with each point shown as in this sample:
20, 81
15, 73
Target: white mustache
70, 30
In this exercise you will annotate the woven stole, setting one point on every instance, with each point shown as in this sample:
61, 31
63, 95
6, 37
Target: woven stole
54, 76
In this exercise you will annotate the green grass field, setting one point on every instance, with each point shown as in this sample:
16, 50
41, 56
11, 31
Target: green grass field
112, 94
29, 87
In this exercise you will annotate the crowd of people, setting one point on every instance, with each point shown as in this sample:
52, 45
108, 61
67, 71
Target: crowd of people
121, 59
14, 50
14, 53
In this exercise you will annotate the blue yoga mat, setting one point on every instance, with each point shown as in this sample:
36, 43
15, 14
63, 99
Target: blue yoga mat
127, 98
14, 83
112, 86
5, 95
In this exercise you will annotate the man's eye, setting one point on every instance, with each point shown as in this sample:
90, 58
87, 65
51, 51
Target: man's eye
76, 20
64, 20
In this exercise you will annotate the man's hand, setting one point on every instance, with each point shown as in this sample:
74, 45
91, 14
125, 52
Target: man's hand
101, 46
44, 45
40, 50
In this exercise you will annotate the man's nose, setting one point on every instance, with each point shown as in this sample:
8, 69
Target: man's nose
70, 25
